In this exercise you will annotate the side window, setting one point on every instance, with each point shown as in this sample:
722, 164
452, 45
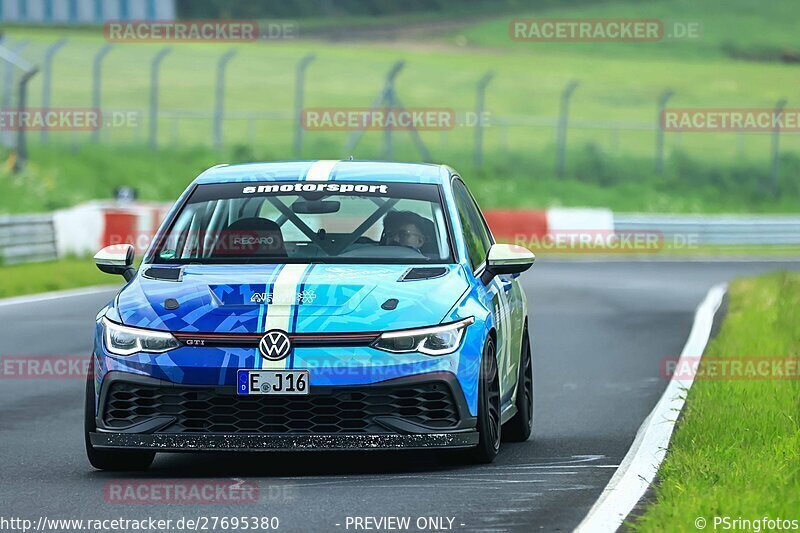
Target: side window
486, 236
475, 236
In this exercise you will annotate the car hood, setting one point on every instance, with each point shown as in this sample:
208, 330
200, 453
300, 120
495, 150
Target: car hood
297, 298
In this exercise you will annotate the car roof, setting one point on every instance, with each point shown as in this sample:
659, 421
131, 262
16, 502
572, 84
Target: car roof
346, 170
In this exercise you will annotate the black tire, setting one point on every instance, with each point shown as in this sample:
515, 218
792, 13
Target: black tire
519, 428
112, 460
489, 425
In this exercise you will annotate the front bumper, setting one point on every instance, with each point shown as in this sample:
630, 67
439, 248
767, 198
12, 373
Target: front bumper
329, 364
421, 411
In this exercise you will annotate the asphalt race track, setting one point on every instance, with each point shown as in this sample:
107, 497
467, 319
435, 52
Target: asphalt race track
600, 330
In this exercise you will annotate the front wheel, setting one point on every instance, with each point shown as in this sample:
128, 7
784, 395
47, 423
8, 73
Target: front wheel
489, 425
112, 460
519, 428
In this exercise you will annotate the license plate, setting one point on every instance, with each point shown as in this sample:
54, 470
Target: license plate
275, 382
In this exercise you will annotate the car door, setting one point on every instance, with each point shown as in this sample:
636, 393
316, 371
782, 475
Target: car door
499, 294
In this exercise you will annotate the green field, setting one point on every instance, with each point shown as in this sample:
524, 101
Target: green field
59, 176
730, 29
613, 112
736, 450
620, 91
51, 276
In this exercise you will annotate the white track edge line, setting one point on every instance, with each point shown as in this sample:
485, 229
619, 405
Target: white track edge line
55, 295
640, 465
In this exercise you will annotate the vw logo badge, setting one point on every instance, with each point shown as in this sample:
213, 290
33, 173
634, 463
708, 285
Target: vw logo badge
274, 345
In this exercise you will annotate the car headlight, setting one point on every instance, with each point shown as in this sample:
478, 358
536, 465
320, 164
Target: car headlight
124, 340
436, 340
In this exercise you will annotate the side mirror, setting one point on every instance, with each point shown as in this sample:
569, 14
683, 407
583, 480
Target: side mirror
506, 259
116, 259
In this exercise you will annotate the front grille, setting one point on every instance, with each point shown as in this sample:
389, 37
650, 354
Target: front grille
199, 410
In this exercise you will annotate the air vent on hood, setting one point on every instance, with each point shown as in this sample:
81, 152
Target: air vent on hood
164, 273
417, 273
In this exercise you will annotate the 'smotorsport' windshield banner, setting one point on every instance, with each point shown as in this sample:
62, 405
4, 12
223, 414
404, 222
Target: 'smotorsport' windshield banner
314, 190
316, 187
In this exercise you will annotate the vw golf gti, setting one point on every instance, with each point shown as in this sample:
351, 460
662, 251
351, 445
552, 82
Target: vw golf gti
340, 305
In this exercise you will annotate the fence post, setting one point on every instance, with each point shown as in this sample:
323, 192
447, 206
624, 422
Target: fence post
390, 97
8, 80
96, 85
385, 98
219, 101
8, 86
175, 130
47, 73
299, 96
480, 100
22, 99
28, 70
779, 105
662, 104
561, 135
154, 68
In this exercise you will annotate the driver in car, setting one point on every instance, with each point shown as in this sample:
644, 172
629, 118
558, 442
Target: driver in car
404, 228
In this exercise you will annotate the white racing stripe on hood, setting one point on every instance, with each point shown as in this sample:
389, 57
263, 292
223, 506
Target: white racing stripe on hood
321, 170
279, 315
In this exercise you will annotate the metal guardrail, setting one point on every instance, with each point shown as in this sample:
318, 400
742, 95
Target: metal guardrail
27, 239
769, 230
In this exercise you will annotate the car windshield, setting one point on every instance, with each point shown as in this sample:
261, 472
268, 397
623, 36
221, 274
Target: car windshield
325, 222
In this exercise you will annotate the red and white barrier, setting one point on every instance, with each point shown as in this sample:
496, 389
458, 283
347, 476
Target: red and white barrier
86, 228
509, 225
525, 225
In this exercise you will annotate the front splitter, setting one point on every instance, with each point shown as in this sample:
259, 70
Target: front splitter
181, 442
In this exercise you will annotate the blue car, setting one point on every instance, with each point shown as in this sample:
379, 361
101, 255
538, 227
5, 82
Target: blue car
340, 305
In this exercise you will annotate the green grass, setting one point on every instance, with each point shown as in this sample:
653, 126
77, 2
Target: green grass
736, 451
619, 84
16, 280
58, 177
730, 28
610, 166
